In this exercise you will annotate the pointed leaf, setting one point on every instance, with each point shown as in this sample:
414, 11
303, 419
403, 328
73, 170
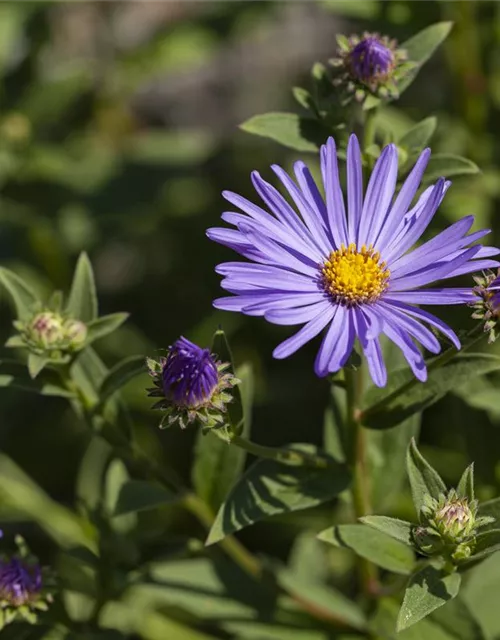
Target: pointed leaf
35, 364
420, 47
289, 129
428, 589
424, 480
270, 488
104, 325
486, 543
119, 375
491, 508
397, 529
82, 303
372, 544
465, 486
404, 396
480, 593
416, 138
448, 165
14, 374
24, 298
91, 473
217, 465
139, 495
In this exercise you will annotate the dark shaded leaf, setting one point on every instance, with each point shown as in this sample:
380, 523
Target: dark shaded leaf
289, 129
269, 488
24, 298
139, 495
15, 375
120, 374
372, 544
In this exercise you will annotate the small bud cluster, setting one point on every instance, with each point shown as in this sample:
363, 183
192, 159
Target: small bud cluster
448, 527
487, 305
369, 64
23, 586
193, 386
49, 333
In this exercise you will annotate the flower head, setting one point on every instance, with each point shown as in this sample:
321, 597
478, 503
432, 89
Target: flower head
448, 526
349, 272
192, 384
487, 303
49, 332
370, 63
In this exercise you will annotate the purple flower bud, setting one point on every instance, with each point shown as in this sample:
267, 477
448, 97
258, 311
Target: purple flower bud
189, 374
20, 582
371, 59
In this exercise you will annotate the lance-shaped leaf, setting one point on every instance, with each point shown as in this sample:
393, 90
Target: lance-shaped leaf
420, 47
36, 363
139, 495
487, 542
104, 326
24, 298
372, 544
424, 480
416, 138
428, 589
446, 164
82, 303
289, 129
270, 488
404, 396
491, 509
465, 488
217, 464
119, 375
397, 529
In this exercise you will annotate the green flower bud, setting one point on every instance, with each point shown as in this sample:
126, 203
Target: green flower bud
75, 332
455, 519
49, 333
46, 330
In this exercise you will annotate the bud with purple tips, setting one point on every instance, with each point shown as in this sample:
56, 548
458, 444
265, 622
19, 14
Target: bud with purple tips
487, 304
192, 385
370, 63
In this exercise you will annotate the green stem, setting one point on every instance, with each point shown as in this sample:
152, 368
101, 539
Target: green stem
360, 490
474, 336
369, 131
289, 456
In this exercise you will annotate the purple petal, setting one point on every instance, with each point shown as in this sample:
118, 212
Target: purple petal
307, 333
298, 315
412, 326
354, 188
430, 319
379, 195
403, 200
334, 199
337, 343
371, 349
311, 192
452, 295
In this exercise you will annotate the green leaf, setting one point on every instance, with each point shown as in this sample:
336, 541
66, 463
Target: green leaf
217, 465
82, 303
448, 165
235, 409
420, 47
117, 477
289, 129
321, 597
428, 589
269, 488
24, 298
480, 593
465, 487
404, 396
424, 480
90, 479
486, 543
24, 497
35, 364
14, 375
119, 375
416, 138
372, 544
104, 325
398, 529
139, 495
490, 508
308, 558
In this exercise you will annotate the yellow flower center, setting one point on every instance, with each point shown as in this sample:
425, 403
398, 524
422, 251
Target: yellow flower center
352, 277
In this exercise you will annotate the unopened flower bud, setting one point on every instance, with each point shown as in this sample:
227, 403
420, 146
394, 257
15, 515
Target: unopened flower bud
46, 329
192, 385
455, 519
50, 333
487, 304
75, 333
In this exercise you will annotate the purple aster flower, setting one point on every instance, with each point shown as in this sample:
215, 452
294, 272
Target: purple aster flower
192, 385
350, 273
189, 374
20, 582
371, 58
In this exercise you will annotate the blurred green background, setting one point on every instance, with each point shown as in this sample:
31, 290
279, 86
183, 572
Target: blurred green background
118, 132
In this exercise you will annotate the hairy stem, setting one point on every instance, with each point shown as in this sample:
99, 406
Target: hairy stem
289, 456
360, 490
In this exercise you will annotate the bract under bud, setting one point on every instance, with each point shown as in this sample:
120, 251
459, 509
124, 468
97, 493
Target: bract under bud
487, 305
193, 386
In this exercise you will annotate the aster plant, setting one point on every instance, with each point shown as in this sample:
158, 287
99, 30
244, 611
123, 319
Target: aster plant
343, 247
